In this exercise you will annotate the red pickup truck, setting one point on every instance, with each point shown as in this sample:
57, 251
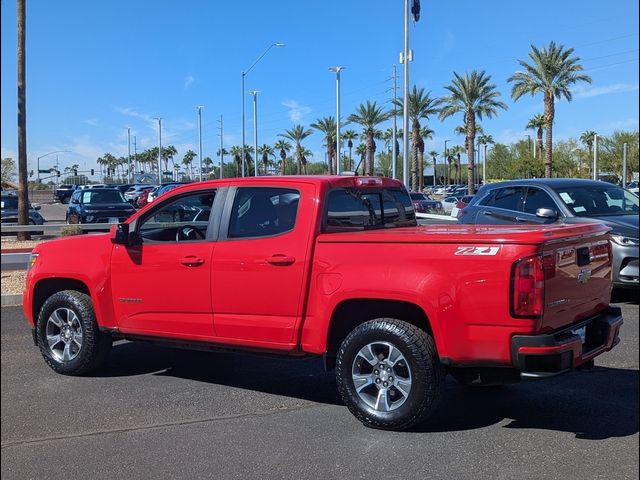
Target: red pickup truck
333, 266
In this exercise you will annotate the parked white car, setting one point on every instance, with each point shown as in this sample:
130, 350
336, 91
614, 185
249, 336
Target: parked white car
448, 204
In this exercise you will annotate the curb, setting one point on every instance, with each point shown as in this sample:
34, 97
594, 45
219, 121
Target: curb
11, 299
17, 250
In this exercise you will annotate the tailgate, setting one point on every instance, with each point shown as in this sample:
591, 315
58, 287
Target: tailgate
580, 284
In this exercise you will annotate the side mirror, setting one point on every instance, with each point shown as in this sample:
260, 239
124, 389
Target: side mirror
547, 213
121, 236
37, 207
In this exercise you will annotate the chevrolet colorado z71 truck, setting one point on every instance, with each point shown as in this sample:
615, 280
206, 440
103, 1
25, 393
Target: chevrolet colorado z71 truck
333, 266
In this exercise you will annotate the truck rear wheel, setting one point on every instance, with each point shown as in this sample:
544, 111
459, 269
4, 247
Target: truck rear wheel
389, 375
68, 334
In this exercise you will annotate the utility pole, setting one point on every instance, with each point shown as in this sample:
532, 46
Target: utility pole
159, 149
129, 154
135, 152
221, 127
406, 57
446, 165
394, 151
595, 157
484, 165
625, 147
199, 107
255, 130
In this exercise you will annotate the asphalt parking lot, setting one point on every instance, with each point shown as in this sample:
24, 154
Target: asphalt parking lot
160, 413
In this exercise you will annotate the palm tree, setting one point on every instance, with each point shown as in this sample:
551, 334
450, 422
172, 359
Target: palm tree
361, 151
473, 95
283, 147
434, 155
327, 125
421, 106
236, 153
537, 123
350, 136
208, 164
425, 134
485, 140
553, 71
265, 151
369, 116
297, 134
187, 160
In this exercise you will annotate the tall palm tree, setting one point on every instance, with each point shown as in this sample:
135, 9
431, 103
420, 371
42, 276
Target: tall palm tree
421, 106
473, 95
297, 134
236, 153
283, 148
350, 136
369, 116
168, 153
361, 150
208, 164
537, 123
425, 134
552, 72
187, 160
587, 139
327, 125
485, 140
265, 151
434, 156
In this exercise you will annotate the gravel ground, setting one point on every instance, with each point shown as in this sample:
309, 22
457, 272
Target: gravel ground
13, 281
11, 242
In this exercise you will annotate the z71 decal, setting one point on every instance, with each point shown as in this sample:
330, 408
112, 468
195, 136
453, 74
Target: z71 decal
477, 251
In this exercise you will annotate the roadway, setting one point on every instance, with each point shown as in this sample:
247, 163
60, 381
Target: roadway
159, 413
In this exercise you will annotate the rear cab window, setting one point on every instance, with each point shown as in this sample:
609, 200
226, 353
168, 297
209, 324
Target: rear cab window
353, 209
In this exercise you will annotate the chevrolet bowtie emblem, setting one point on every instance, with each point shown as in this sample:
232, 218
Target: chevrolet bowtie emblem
584, 275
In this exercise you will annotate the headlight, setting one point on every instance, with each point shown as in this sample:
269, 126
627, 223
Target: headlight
89, 218
624, 241
32, 260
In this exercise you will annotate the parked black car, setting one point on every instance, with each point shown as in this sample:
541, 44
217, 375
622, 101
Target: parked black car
63, 192
563, 200
10, 211
98, 205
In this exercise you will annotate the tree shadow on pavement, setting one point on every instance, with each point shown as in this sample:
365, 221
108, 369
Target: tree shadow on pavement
594, 404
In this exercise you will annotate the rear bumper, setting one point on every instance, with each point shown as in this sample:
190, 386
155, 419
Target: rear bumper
537, 356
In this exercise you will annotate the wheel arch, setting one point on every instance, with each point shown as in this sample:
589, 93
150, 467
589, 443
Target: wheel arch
49, 286
350, 313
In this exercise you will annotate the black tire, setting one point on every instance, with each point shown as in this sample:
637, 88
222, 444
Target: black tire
95, 345
426, 372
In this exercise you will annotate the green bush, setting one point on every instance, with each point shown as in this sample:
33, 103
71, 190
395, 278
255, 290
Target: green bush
71, 230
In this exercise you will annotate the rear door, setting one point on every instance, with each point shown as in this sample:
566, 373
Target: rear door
501, 206
261, 262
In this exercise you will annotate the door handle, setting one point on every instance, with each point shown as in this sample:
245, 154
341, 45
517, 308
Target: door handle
520, 219
487, 212
281, 260
192, 261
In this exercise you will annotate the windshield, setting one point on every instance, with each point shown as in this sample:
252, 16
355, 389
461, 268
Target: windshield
103, 196
598, 200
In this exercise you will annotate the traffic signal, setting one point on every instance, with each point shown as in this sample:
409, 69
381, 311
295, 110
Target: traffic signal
92, 171
57, 173
75, 172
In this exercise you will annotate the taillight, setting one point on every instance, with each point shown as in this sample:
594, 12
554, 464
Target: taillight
600, 250
527, 287
363, 181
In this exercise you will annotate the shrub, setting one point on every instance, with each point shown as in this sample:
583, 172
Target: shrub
71, 230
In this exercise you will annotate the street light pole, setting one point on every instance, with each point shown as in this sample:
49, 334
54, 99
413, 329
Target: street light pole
394, 154
446, 161
337, 71
221, 128
595, 157
129, 154
484, 165
255, 130
405, 107
159, 149
199, 107
244, 74
625, 148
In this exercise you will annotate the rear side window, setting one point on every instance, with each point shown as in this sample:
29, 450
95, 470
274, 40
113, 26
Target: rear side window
261, 212
353, 209
507, 198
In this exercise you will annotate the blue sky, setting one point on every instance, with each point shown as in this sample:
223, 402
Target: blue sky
95, 68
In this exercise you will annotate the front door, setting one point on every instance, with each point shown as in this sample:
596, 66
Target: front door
163, 286
260, 264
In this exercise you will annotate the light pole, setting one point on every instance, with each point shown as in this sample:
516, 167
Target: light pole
255, 130
42, 156
244, 74
394, 154
337, 71
625, 148
595, 157
484, 165
406, 58
446, 161
221, 128
159, 149
129, 154
199, 108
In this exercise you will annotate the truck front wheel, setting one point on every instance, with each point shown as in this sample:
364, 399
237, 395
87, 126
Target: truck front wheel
389, 375
68, 334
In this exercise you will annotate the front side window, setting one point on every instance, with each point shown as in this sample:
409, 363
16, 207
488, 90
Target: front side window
185, 218
537, 198
353, 209
598, 200
261, 212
